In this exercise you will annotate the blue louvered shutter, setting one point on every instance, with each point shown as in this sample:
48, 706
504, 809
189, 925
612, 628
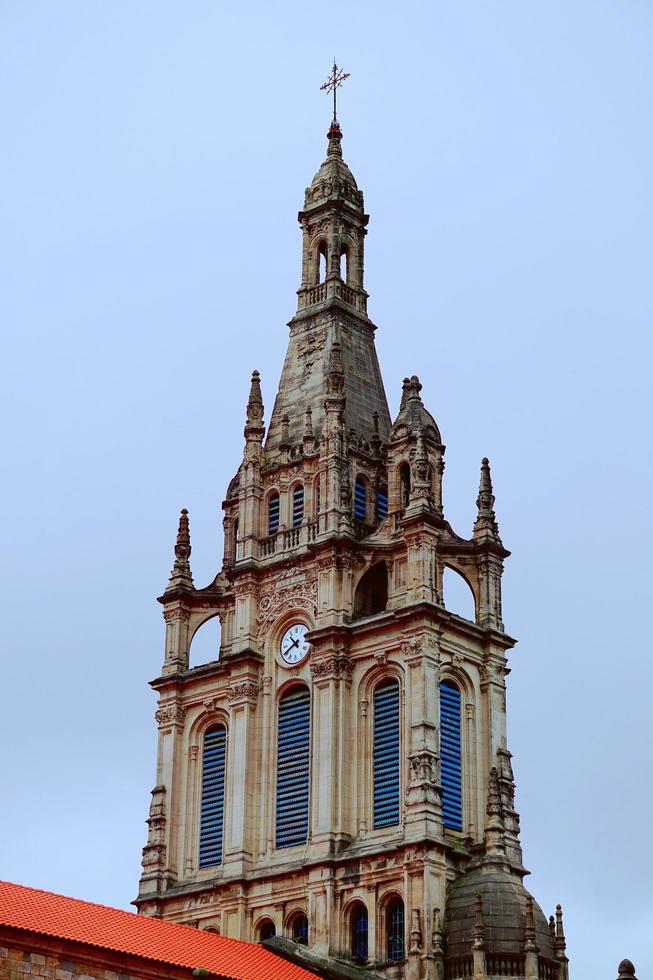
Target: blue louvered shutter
273, 513
386, 755
381, 504
293, 768
360, 500
297, 506
451, 756
212, 807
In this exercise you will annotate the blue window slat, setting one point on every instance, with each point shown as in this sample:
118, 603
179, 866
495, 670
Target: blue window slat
386, 755
297, 506
273, 513
360, 500
212, 802
293, 769
451, 756
382, 504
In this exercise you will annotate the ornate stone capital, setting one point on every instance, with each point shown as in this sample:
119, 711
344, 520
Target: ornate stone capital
245, 692
171, 714
332, 667
176, 614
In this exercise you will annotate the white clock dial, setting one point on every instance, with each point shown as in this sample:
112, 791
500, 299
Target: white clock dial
294, 645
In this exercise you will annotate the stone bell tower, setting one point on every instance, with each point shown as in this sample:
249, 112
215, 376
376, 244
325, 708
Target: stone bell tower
336, 782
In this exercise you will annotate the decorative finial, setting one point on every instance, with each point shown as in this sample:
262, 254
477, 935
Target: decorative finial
626, 970
529, 932
181, 577
332, 84
552, 927
182, 546
308, 425
485, 499
560, 931
405, 391
375, 442
255, 402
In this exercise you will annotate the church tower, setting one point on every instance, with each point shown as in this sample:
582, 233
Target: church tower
337, 781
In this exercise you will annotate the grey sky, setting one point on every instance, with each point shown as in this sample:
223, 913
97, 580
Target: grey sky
154, 157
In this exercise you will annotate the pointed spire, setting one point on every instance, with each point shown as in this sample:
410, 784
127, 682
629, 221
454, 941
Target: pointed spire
308, 426
181, 577
254, 427
552, 927
485, 499
485, 526
495, 844
561, 942
405, 391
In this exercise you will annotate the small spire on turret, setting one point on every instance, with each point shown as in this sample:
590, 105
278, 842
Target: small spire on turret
181, 577
626, 970
529, 931
552, 927
336, 371
309, 438
405, 391
485, 525
254, 427
561, 942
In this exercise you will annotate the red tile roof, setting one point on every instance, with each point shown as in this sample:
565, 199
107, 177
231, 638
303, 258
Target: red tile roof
139, 935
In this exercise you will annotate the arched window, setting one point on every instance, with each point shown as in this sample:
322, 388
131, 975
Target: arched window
273, 513
299, 929
266, 930
212, 807
321, 261
293, 767
404, 484
394, 924
297, 505
360, 499
451, 756
359, 934
371, 594
344, 263
382, 503
386, 754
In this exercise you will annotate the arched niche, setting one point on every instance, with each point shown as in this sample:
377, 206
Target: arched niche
205, 644
371, 594
458, 595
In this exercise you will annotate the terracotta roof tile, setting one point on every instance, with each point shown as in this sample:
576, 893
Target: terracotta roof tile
139, 935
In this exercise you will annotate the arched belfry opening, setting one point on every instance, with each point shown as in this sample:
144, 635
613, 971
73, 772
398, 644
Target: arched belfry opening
321, 261
371, 594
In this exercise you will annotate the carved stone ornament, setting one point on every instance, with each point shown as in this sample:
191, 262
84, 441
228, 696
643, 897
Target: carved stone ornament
246, 691
331, 667
170, 714
282, 594
212, 704
176, 615
411, 646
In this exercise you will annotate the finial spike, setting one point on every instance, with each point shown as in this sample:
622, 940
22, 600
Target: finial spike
181, 577
626, 970
493, 794
182, 545
479, 922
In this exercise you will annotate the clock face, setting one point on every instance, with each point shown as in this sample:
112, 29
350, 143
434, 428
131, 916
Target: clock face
294, 645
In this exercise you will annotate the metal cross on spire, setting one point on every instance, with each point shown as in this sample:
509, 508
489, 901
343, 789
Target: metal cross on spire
333, 83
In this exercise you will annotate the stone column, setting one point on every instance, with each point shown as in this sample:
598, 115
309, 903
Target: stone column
241, 773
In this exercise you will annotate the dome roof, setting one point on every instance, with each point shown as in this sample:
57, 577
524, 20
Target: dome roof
412, 415
334, 179
504, 902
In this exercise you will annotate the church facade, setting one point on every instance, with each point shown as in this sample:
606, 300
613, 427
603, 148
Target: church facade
337, 782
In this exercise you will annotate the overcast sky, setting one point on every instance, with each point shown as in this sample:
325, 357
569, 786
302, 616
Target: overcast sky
154, 158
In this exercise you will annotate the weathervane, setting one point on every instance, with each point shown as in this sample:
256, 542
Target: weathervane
333, 83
